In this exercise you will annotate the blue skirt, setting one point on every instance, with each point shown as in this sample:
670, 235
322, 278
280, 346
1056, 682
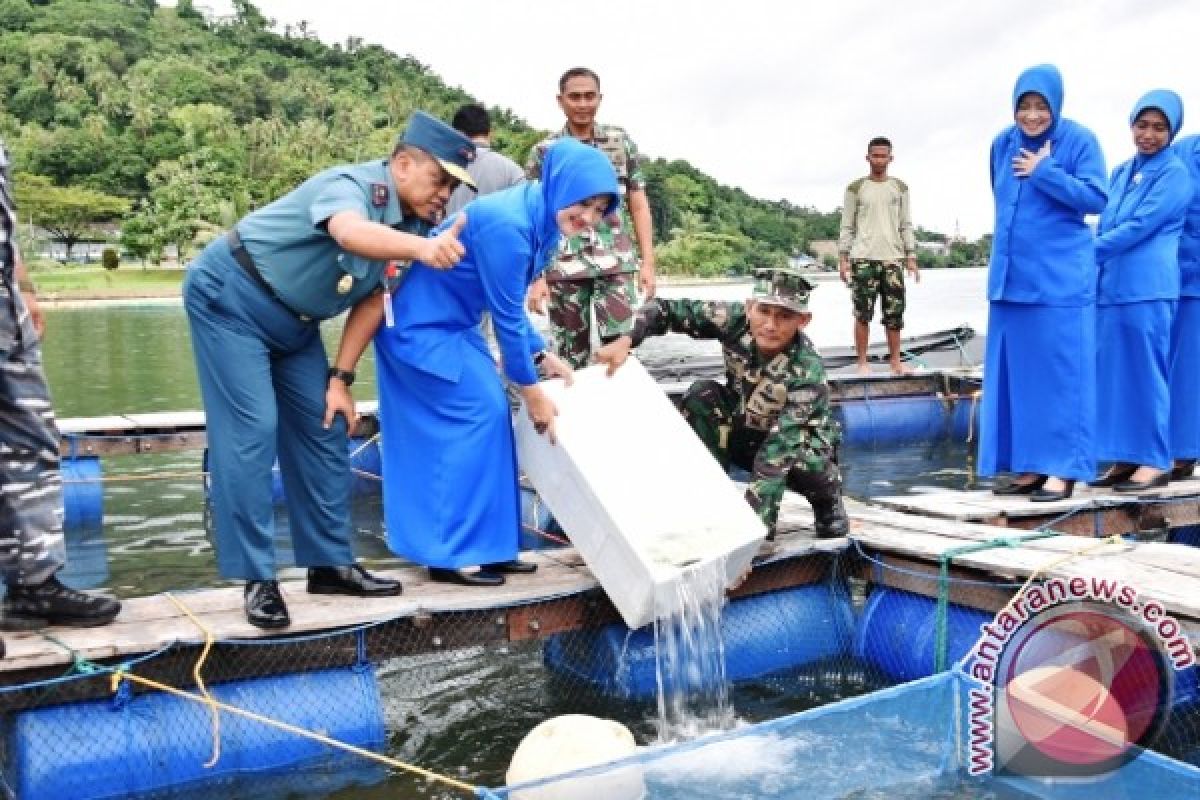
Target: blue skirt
1038, 412
1135, 403
1185, 380
450, 492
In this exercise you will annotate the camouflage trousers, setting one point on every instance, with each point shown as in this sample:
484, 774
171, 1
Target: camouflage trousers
710, 408
31, 502
614, 298
884, 279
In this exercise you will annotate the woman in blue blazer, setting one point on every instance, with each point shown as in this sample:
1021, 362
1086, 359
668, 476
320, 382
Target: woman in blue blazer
1037, 418
1185, 343
1137, 248
450, 492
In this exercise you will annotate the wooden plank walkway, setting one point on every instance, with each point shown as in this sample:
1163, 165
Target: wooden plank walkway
1099, 512
148, 624
127, 434
1168, 573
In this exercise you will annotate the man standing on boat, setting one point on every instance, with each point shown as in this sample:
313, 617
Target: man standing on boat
875, 247
596, 269
31, 500
772, 416
254, 301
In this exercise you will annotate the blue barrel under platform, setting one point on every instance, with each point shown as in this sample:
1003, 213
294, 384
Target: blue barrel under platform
148, 742
763, 634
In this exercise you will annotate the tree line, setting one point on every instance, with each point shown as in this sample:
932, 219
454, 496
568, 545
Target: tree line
174, 124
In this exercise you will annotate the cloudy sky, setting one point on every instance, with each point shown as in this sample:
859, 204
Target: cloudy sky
780, 97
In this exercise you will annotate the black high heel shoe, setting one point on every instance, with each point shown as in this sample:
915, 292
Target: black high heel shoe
1157, 482
1183, 468
480, 578
1013, 487
1114, 475
1043, 495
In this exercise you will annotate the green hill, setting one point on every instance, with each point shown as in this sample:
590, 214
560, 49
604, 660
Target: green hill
188, 122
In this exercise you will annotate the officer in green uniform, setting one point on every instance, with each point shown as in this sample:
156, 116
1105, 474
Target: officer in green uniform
772, 416
254, 301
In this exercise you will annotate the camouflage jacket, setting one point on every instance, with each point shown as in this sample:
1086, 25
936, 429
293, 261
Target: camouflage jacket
785, 398
8, 214
609, 249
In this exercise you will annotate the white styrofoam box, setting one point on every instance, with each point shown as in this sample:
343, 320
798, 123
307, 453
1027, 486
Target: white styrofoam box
636, 490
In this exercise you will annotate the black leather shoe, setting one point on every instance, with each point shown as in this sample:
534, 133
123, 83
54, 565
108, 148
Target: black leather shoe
480, 578
1157, 482
264, 605
1115, 474
51, 603
1044, 495
514, 567
1014, 487
1183, 469
352, 580
829, 518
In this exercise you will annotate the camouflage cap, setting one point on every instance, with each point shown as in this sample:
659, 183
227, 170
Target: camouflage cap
782, 286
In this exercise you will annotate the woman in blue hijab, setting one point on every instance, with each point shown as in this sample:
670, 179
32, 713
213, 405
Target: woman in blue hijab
1137, 248
451, 497
1185, 343
1038, 412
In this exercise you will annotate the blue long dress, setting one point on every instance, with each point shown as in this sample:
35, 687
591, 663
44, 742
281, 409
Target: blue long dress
1039, 382
1137, 247
450, 490
1185, 332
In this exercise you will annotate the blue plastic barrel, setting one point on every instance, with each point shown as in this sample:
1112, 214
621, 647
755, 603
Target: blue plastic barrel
897, 633
893, 420
83, 493
1186, 534
763, 634
114, 748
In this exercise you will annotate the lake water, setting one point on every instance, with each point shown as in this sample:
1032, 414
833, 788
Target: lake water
469, 710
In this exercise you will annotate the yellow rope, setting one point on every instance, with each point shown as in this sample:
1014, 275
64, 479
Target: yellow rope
199, 678
121, 675
1049, 565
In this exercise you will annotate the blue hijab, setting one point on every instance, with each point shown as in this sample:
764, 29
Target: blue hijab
1170, 104
571, 173
1044, 80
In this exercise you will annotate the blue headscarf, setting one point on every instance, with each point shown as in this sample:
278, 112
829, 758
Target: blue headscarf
1044, 80
571, 173
1166, 101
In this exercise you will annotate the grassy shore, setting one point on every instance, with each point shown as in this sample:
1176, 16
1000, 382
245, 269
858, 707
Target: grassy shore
59, 282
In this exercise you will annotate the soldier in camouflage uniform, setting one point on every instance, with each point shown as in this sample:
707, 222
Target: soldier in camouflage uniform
875, 247
31, 501
772, 415
596, 270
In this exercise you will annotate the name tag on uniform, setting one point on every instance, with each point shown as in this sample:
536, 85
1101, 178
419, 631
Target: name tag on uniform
345, 284
379, 194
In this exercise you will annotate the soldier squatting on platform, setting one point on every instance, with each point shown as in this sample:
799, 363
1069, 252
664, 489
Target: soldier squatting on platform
772, 416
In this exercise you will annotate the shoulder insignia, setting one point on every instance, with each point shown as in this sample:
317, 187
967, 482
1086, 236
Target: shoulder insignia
854, 185
379, 195
901, 185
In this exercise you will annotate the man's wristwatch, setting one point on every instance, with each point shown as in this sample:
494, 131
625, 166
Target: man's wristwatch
343, 375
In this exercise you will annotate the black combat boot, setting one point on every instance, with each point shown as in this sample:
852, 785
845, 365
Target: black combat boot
829, 518
51, 603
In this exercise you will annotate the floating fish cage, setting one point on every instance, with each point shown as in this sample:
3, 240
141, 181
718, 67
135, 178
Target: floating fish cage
844, 632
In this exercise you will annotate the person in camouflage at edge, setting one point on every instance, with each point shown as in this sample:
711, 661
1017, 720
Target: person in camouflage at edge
596, 269
31, 500
772, 415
